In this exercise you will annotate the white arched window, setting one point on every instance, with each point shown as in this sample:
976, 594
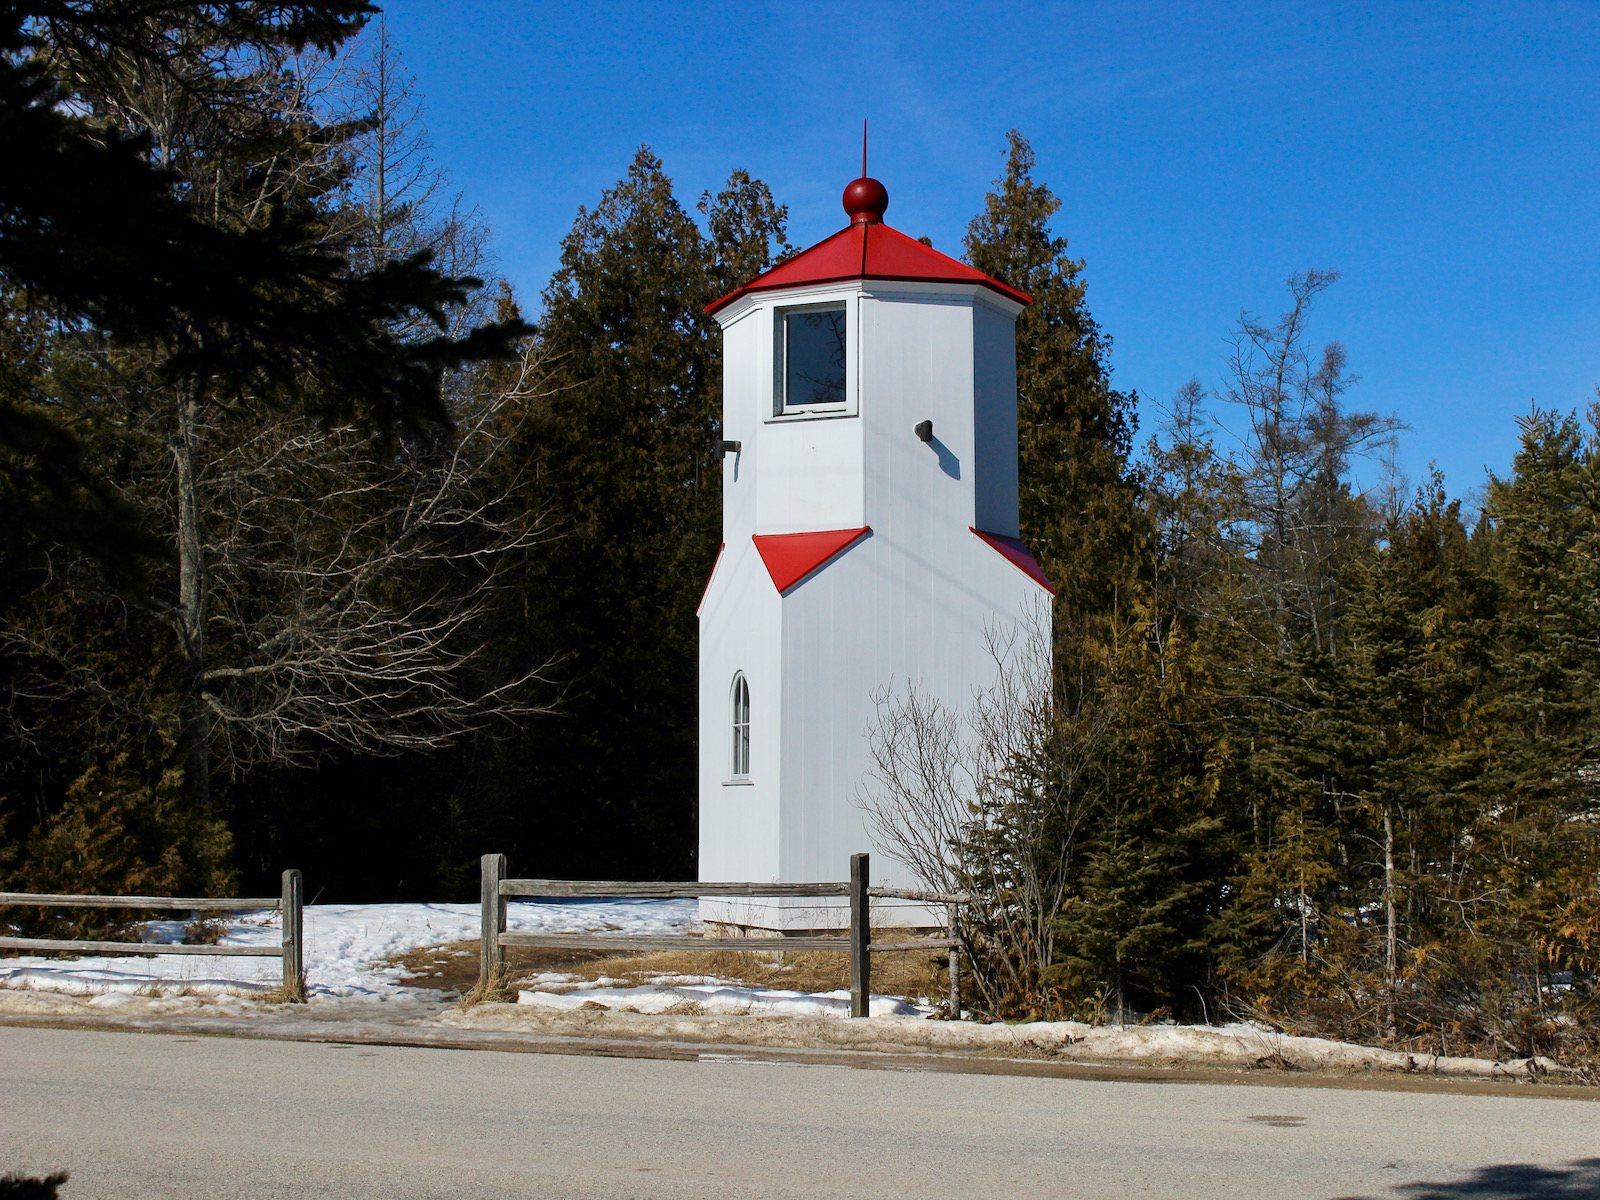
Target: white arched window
741, 726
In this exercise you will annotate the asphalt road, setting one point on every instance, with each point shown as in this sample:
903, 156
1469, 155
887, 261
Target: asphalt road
151, 1115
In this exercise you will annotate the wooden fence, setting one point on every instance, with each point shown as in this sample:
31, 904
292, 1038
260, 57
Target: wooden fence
291, 904
858, 941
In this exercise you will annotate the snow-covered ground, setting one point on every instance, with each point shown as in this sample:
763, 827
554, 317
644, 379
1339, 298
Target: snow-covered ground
345, 947
701, 995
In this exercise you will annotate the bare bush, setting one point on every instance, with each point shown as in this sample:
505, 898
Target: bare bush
988, 800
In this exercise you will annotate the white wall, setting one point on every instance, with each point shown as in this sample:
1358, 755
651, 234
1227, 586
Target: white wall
741, 374
740, 620
811, 466
994, 385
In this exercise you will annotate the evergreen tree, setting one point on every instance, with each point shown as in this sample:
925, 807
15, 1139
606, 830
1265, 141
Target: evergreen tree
1541, 787
627, 447
1146, 883
1138, 930
1398, 744
745, 232
1074, 430
1134, 929
99, 224
1546, 534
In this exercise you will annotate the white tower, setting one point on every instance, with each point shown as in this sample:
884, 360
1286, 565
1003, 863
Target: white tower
869, 536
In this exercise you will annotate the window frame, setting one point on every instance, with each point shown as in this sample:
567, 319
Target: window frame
781, 409
739, 730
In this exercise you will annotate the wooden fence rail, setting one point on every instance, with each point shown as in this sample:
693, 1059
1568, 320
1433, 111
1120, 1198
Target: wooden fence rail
493, 937
290, 948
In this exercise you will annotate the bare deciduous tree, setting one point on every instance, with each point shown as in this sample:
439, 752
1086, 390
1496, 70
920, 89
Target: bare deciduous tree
336, 594
1297, 447
350, 588
326, 587
401, 201
989, 801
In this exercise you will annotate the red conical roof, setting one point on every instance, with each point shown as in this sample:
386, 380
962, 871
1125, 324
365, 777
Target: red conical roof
867, 249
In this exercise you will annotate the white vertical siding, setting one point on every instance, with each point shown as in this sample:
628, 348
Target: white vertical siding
811, 467
741, 376
994, 388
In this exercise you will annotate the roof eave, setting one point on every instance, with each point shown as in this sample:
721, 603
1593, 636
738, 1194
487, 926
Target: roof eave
749, 289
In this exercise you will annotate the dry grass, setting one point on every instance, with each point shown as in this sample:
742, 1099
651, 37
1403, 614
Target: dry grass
282, 994
496, 989
454, 968
206, 929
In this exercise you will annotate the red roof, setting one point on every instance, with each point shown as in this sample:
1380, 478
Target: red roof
790, 557
868, 250
1018, 555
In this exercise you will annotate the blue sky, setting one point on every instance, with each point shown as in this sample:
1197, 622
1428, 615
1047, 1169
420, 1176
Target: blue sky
1444, 157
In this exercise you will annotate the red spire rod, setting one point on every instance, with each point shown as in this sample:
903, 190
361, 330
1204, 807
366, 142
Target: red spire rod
864, 198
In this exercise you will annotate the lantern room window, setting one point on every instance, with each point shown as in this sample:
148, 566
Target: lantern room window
741, 727
811, 359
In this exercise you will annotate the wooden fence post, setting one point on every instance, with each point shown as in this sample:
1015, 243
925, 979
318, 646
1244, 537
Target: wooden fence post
955, 962
492, 923
294, 975
860, 937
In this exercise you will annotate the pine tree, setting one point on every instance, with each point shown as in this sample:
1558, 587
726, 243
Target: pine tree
1541, 788
101, 225
1400, 747
1138, 928
1074, 430
627, 446
1546, 530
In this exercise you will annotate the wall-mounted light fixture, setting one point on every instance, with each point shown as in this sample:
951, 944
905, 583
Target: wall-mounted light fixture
731, 447
924, 430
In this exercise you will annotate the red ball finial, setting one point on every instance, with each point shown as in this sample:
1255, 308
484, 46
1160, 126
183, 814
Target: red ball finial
865, 200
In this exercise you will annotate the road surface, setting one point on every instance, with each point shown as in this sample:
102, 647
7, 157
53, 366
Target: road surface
150, 1115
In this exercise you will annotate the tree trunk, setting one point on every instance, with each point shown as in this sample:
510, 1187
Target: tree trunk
1122, 1015
191, 610
1390, 942
1305, 924
1338, 822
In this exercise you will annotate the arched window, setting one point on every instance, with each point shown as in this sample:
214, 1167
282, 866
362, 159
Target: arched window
741, 726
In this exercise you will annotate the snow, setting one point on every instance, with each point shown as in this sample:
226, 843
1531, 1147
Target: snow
717, 1000
1236, 1047
345, 945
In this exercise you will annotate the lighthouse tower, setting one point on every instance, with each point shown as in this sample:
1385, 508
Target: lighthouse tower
869, 537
